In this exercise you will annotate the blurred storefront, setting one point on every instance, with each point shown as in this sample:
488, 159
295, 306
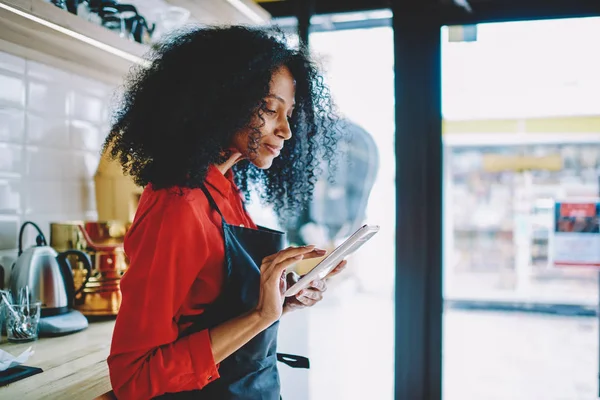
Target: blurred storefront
521, 131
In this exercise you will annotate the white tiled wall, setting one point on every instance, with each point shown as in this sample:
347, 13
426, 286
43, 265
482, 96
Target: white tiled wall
52, 125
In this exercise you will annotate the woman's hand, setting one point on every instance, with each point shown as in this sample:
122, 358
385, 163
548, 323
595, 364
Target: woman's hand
272, 279
311, 295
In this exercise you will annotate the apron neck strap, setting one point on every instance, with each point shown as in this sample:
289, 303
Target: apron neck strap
211, 201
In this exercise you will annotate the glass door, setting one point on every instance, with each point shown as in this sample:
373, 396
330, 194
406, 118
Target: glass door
521, 132
349, 335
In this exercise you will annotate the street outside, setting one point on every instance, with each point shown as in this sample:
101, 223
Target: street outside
487, 355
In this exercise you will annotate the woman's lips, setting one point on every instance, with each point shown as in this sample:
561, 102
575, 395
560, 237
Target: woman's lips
275, 150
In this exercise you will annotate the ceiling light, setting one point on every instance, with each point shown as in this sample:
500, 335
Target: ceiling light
247, 11
348, 17
380, 14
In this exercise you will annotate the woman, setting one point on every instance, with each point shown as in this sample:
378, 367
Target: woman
217, 112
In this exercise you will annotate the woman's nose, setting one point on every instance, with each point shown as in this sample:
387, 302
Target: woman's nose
283, 130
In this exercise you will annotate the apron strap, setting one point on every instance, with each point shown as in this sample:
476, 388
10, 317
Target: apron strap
211, 201
293, 361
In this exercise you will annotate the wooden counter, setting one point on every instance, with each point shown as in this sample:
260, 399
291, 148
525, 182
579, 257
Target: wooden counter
74, 365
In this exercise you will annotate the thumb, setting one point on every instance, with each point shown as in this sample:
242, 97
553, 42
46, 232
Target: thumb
292, 278
282, 285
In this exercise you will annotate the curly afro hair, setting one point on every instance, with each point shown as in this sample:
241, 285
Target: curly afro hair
202, 86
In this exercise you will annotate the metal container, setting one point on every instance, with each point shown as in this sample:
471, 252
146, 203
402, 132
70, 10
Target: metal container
103, 242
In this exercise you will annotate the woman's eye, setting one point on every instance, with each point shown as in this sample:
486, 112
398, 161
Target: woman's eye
269, 111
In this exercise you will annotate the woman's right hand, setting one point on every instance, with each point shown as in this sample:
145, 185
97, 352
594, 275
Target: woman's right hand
273, 282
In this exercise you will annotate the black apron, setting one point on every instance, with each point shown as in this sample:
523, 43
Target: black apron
251, 372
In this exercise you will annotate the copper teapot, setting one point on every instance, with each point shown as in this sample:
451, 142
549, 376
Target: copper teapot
103, 243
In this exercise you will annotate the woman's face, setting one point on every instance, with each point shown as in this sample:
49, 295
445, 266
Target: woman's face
276, 128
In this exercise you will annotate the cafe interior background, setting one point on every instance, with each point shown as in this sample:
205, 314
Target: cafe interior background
515, 325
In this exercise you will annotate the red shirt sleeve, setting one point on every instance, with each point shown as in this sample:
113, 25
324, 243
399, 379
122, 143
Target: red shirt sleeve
167, 247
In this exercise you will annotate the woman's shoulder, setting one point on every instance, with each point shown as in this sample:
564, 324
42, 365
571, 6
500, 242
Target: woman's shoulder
168, 211
174, 201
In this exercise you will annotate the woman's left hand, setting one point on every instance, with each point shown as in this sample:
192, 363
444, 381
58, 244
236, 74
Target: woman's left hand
311, 295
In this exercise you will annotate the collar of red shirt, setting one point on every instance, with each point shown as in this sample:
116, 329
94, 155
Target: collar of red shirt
224, 184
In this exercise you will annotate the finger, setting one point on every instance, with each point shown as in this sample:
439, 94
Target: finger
340, 267
282, 284
277, 269
270, 258
309, 294
305, 301
291, 252
316, 253
292, 278
293, 302
309, 297
319, 285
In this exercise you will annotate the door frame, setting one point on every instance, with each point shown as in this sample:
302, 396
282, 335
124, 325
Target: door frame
420, 177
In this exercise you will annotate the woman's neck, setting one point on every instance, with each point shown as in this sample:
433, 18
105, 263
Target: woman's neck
231, 161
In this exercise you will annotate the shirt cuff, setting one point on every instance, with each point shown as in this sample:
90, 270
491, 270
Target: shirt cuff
202, 358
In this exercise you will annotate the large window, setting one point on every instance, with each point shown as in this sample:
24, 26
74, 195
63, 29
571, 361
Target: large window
521, 91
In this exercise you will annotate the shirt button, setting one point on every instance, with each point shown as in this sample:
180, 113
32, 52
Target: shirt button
210, 377
242, 225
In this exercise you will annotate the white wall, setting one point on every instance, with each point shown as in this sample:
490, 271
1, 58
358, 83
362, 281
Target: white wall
52, 124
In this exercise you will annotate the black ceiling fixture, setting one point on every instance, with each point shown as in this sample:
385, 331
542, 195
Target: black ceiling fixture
287, 8
448, 12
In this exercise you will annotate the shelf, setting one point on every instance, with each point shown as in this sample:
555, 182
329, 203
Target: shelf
42, 32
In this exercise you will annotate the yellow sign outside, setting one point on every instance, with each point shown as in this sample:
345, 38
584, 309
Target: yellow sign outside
498, 163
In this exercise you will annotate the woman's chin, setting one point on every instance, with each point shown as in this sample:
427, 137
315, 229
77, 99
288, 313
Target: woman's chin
262, 162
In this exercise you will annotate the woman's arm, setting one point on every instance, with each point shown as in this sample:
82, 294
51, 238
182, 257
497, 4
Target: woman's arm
147, 356
228, 337
167, 250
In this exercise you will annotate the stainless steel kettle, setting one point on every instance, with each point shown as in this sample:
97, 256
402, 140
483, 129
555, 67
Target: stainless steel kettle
47, 273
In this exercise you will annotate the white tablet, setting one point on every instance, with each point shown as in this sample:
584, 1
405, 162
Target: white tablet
326, 265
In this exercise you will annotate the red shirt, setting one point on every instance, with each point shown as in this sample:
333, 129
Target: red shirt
176, 252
